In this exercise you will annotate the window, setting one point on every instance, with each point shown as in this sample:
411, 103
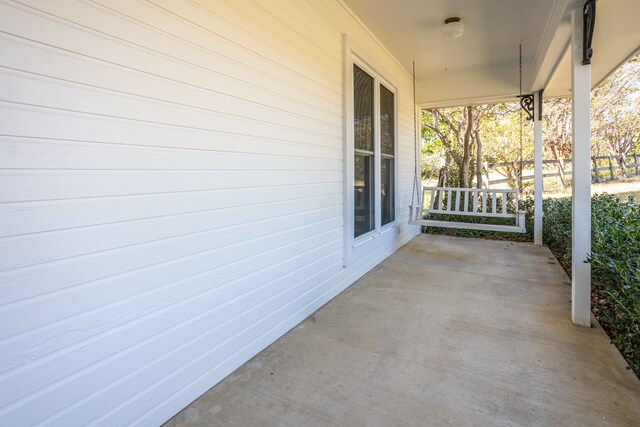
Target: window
374, 152
387, 147
370, 114
364, 155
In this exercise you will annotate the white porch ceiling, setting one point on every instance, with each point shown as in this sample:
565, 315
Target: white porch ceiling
482, 65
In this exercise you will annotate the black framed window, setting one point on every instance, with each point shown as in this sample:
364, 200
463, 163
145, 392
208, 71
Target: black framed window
387, 154
363, 125
374, 126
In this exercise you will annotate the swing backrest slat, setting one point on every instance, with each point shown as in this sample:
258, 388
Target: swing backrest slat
485, 201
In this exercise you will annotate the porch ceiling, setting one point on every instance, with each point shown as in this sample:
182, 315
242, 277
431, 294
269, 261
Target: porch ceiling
482, 65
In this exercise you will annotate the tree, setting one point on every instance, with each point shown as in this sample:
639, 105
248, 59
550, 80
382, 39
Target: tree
616, 112
557, 132
507, 138
457, 130
499, 135
615, 118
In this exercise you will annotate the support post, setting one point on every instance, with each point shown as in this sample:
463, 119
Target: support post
537, 170
561, 172
611, 170
581, 182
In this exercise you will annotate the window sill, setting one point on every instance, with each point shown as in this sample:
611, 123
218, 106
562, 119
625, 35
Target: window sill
372, 235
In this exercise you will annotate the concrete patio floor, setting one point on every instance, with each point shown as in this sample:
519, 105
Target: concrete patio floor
447, 331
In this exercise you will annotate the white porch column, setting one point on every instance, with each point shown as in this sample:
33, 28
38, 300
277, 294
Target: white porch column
581, 178
537, 169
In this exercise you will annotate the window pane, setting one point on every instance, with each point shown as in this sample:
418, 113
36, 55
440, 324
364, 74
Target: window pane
362, 109
387, 121
387, 189
363, 195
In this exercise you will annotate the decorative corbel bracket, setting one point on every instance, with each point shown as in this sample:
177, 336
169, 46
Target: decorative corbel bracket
527, 104
589, 23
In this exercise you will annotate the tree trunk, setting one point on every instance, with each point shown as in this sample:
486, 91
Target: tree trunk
478, 160
622, 162
559, 163
466, 155
443, 175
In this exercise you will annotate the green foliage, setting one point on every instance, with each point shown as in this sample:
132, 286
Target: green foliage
615, 269
431, 144
556, 229
500, 131
615, 264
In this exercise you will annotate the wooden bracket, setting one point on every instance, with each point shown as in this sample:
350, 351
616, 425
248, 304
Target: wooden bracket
589, 21
527, 104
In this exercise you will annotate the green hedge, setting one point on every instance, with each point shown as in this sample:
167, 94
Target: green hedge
615, 270
556, 229
615, 264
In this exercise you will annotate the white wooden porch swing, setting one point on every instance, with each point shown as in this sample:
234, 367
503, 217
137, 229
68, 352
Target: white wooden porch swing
473, 202
458, 202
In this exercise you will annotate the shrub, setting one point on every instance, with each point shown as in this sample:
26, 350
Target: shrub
615, 264
615, 270
556, 229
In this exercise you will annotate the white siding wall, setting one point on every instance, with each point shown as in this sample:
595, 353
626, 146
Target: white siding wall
171, 194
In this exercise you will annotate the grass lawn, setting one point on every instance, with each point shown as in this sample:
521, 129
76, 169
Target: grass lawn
623, 188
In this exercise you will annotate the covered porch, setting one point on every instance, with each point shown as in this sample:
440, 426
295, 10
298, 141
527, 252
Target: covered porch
178, 192
446, 331
467, 53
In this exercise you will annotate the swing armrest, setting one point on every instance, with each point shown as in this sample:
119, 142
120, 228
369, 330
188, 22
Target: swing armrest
415, 213
520, 220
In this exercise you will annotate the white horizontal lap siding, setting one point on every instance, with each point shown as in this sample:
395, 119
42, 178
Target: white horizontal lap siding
171, 195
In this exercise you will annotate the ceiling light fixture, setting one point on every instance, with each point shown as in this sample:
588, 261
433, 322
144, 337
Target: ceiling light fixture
452, 28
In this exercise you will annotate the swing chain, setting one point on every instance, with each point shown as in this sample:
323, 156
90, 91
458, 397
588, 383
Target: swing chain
519, 173
415, 192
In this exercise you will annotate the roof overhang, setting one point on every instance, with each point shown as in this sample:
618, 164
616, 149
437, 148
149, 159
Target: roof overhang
482, 66
616, 40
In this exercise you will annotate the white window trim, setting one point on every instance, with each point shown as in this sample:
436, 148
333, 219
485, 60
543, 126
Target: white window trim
356, 248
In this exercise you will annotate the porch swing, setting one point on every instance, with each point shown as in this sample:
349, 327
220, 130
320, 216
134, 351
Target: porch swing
470, 202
